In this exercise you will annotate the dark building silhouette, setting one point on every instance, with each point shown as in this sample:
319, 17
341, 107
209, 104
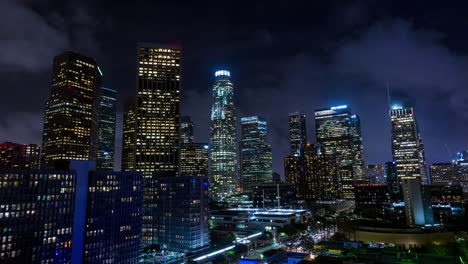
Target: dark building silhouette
275, 195
371, 200
128, 135
444, 174
297, 132
106, 128
186, 129
19, 156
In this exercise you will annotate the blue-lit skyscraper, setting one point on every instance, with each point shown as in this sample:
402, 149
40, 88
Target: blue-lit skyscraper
256, 156
297, 132
223, 176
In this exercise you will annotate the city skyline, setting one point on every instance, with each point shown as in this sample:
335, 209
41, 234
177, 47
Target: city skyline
310, 82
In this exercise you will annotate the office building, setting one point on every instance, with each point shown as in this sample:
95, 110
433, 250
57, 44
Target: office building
157, 122
256, 156
461, 163
297, 132
128, 135
338, 132
182, 213
194, 159
293, 169
223, 143
186, 129
371, 200
408, 154
36, 216
19, 156
375, 174
275, 195
320, 176
444, 174
106, 127
393, 182
71, 115
114, 215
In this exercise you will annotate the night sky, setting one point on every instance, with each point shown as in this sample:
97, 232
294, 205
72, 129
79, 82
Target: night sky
283, 57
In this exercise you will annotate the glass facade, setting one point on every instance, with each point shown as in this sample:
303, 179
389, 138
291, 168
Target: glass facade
19, 156
223, 178
114, 217
193, 159
408, 154
186, 129
157, 122
256, 156
106, 128
182, 213
128, 136
297, 132
36, 216
339, 133
70, 121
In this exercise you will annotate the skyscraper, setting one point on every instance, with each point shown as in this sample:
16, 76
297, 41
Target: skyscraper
157, 122
293, 169
444, 174
182, 213
19, 156
186, 129
70, 122
223, 137
106, 127
297, 132
408, 154
375, 174
193, 159
393, 182
338, 132
256, 156
128, 135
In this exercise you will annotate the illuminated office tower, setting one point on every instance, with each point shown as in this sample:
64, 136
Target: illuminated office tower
408, 154
36, 215
461, 163
193, 159
444, 174
223, 179
186, 129
19, 156
256, 156
292, 169
297, 132
128, 135
70, 121
106, 127
338, 132
157, 122
358, 149
320, 176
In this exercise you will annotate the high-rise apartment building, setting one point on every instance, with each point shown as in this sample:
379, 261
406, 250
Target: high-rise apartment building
338, 133
128, 135
106, 127
444, 174
36, 215
193, 159
256, 156
408, 154
71, 115
157, 122
186, 129
297, 132
223, 179
182, 213
19, 156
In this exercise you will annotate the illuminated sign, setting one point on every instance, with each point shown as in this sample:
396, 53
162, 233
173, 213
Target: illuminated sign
222, 73
397, 106
339, 107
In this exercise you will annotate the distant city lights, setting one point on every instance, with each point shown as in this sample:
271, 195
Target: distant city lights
222, 73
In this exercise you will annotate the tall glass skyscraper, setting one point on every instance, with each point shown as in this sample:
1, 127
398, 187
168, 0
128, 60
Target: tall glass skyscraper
128, 135
223, 179
256, 156
186, 129
297, 132
157, 122
71, 115
106, 126
339, 133
408, 154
